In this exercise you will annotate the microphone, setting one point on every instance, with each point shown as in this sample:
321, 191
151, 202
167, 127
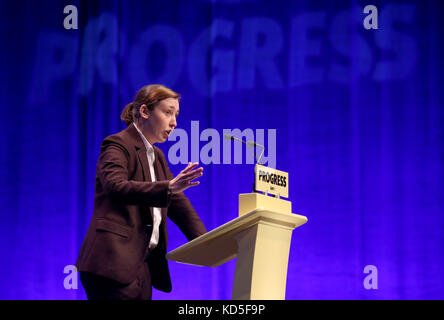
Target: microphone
251, 144
230, 137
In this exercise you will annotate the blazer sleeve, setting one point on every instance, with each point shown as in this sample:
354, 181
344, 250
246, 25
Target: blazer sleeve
182, 213
112, 170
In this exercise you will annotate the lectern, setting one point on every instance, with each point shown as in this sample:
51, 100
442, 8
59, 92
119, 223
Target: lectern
260, 240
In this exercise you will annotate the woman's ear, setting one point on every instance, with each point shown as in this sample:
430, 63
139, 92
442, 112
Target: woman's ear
144, 111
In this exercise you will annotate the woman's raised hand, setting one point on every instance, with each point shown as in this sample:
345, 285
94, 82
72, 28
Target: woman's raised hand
185, 178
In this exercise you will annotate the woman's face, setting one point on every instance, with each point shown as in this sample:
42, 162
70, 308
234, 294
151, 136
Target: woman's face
161, 121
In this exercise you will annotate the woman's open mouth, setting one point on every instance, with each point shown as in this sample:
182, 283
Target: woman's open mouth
167, 133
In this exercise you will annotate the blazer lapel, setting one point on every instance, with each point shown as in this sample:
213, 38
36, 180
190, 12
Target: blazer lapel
158, 168
160, 176
143, 160
140, 150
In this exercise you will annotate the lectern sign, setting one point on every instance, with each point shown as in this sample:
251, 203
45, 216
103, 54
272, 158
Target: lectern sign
271, 181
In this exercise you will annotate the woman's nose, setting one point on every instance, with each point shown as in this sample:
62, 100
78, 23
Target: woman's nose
173, 122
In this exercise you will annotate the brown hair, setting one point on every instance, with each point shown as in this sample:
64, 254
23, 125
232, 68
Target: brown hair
150, 95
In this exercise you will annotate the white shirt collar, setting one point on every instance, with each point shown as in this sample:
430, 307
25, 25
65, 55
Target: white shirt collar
148, 145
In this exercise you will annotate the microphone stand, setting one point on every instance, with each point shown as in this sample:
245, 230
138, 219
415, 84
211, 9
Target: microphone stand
251, 144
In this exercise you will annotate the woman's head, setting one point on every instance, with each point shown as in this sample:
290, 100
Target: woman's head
150, 96
154, 110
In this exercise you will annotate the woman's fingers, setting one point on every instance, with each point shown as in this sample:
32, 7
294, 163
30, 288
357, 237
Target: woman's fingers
190, 167
185, 179
193, 174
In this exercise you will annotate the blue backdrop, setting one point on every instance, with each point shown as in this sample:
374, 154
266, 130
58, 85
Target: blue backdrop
354, 115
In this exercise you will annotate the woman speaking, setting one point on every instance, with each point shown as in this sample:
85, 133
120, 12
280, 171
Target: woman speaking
123, 254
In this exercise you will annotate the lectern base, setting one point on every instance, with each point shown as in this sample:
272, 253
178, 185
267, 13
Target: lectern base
262, 260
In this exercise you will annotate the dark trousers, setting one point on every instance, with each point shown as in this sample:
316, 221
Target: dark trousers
101, 288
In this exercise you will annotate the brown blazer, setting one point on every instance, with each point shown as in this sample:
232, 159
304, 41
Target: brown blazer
116, 242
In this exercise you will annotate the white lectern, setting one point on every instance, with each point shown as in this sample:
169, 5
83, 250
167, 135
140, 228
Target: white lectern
260, 239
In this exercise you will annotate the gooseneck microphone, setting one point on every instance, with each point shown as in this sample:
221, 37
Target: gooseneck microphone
251, 144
